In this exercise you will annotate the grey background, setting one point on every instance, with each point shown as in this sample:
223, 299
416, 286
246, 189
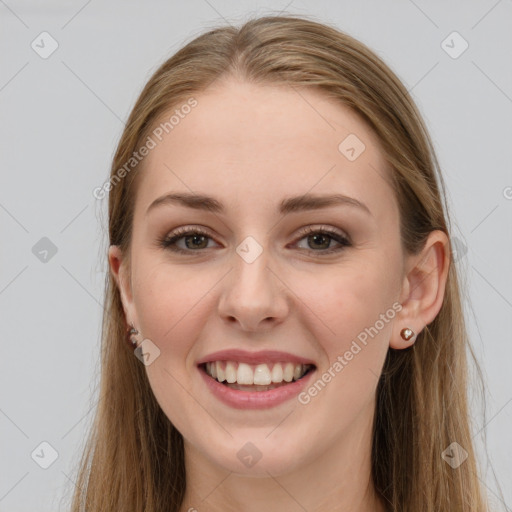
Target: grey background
61, 118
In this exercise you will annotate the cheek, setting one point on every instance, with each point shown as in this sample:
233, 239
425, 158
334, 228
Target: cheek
352, 324
170, 305
346, 302
164, 299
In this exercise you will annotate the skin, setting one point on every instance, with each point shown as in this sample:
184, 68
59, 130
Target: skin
251, 146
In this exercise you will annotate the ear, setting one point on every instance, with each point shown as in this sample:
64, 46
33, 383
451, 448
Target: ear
423, 288
121, 273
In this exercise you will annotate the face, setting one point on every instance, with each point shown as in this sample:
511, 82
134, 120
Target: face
285, 284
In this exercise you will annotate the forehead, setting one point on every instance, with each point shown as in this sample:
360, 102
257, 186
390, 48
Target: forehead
254, 144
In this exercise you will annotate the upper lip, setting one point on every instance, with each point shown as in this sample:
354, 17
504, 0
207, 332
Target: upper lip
260, 357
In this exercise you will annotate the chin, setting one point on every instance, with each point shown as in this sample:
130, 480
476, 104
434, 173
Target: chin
256, 456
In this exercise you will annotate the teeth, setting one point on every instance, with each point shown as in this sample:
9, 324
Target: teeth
258, 375
221, 376
230, 372
288, 372
262, 375
245, 374
277, 373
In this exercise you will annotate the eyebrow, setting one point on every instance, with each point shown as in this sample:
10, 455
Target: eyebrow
288, 205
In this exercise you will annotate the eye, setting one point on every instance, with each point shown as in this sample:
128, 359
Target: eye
196, 239
322, 237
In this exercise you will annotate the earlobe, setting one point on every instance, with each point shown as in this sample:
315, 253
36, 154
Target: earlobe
423, 290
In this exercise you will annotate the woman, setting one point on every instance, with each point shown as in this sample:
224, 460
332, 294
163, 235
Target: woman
280, 267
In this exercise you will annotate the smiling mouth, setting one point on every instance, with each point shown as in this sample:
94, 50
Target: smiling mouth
255, 377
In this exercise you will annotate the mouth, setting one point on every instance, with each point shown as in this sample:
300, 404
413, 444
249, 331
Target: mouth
255, 377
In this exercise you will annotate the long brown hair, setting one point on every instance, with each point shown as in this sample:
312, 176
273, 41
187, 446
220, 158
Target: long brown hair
134, 459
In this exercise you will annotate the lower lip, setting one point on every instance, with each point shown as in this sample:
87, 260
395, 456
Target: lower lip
255, 399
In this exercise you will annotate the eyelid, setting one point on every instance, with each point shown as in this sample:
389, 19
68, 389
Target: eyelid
325, 229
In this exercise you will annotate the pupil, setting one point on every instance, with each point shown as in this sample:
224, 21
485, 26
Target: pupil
316, 237
196, 239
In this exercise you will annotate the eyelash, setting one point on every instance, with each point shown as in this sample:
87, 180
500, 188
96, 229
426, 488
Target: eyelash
169, 242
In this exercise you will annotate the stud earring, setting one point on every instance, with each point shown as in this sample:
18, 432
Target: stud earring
132, 332
406, 333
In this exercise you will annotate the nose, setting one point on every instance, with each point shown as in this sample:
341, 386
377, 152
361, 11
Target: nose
253, 297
